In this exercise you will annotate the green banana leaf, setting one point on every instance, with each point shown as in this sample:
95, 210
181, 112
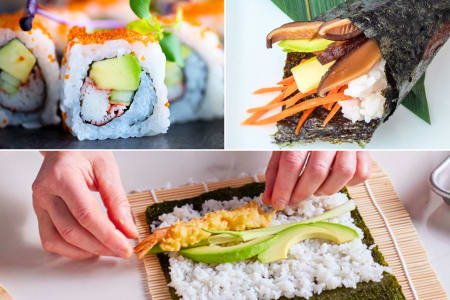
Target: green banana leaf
306, 10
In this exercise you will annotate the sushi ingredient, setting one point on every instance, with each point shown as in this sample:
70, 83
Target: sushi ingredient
308, 74
228, 254
174, 74
317, 44
121, 97
337, 50
185, 234
9, 83
367, 91
293, 31
260, 232
333, 112
120, 73
303, 119
338, 30
280, 246
17, 60
355, 64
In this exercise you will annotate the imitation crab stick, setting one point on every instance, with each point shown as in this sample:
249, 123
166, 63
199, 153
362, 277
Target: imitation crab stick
314, 102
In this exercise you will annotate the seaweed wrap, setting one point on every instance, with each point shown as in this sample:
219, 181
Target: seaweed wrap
347, 71
196, 90
113, 85
29, 85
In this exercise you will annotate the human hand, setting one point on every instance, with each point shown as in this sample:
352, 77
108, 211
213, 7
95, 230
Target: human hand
71, 220
325, 173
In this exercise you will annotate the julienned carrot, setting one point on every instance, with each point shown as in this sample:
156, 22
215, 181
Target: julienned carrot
292, 88
330, 116
259, 114
269, 90
314, 102
286, 81
329, 106
291, 101
303, 119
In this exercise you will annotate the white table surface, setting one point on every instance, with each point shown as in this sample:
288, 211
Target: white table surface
30, 273
251, 66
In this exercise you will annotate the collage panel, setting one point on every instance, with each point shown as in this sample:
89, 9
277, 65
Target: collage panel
119, 74
224, 149
366, 74
224, 225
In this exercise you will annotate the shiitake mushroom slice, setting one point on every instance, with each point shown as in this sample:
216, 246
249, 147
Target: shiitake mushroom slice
293, 31
339, 49
353, 65
338, 30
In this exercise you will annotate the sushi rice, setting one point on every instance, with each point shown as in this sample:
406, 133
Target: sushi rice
86, 113
35, 102
203, 97
312, 266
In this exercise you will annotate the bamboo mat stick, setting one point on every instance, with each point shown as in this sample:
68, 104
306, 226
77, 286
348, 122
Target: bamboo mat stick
423, 278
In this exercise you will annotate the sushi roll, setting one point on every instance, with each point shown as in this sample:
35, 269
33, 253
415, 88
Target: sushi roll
196, 91
347, 71
208, 12
102, 9
29, 85
113, 85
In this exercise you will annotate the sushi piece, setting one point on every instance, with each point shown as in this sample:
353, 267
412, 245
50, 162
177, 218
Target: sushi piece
208, 12
102, 9
29, 85
347, 71
196, 91
295, 274
113, 85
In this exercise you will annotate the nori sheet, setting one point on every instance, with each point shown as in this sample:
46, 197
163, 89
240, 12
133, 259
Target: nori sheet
387, 289
409, 33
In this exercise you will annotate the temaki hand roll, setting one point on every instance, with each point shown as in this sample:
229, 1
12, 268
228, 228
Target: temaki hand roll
196, 90
114, 85
29, 85
347, 71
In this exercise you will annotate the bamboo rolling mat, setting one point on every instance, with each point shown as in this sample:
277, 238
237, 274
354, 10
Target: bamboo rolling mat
423, 278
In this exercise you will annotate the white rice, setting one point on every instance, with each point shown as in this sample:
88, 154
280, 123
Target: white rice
312, 266
134, 122
206, 43
43, 48
367, 91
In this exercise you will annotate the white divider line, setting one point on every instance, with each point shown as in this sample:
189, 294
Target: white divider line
255, 178
154, 196
397, 248
205, 186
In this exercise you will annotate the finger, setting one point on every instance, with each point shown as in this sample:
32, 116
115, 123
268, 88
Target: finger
53, 242
316, 171
86, 210
344, 167
291, 164
271, 175
71, 231
113, 195
363, 165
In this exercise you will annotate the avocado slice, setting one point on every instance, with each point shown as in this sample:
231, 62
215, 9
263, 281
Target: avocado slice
260, 232
121, 97
285, 239
9, 83
219, 255
308, 74
120, 73
313, 45
17, 60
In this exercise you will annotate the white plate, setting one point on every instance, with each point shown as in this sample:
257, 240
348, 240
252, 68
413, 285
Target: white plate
251, 66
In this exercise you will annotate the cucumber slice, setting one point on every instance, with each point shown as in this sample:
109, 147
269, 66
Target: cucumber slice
9, 79
174, 74
121, 97
8, 83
